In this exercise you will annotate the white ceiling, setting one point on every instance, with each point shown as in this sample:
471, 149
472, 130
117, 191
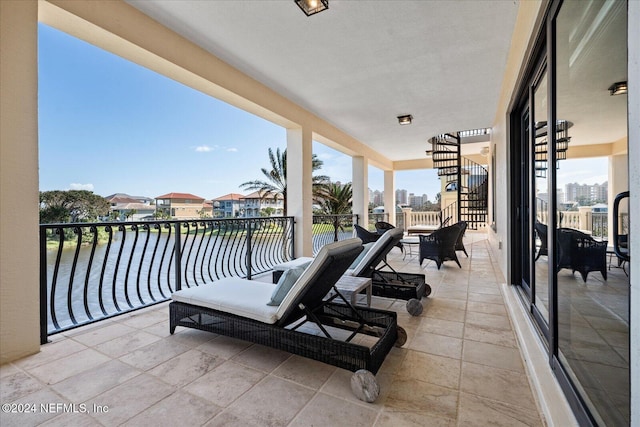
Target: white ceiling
361, 63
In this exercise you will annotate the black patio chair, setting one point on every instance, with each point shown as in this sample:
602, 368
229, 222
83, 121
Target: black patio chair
459, 242
541, 231
440, 246
365, 235
580, 252
382, 226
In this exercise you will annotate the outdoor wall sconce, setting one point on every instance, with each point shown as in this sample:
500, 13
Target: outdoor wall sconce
405, 120
311, 7
618, 88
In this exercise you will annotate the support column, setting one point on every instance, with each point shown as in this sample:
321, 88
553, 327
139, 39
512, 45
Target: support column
19, 254
617, 183
390, 196
360, 187
299, 188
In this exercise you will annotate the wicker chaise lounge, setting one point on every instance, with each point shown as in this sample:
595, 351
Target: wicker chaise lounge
386, 283
248, 310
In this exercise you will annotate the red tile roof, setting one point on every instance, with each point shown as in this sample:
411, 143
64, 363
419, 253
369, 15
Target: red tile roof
230, 196
186, 196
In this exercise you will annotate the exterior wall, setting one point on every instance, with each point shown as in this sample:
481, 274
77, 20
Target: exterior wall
19, 256
181, 208
253, 207
528, 16
634, 203
228, 208
186, 210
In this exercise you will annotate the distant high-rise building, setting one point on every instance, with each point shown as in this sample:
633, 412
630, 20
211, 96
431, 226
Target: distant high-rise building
597, 192
600, 192
417, 202
377, 198
402, 197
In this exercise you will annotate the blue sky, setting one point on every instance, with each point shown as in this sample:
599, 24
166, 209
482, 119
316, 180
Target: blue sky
111, 126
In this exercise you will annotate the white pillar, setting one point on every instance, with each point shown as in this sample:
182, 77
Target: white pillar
618, 182
299, 186
390, 195
584, 218
19, 275
360, 187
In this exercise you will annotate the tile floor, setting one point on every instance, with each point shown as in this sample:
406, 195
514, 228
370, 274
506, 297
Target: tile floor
461, 366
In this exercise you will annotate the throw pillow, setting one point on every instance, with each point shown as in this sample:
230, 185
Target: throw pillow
286, 282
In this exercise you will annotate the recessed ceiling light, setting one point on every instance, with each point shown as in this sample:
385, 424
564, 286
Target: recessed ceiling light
405, 120
311, 7
618, 88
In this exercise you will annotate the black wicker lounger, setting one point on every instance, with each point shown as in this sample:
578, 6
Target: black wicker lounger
238, 308
390, 283
385, 283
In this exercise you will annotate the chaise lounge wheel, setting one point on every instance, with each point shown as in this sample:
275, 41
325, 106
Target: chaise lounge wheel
365, 386
414, 307
427, 290
402, 337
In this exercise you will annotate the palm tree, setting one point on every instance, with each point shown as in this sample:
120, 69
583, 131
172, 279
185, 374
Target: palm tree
276, 183
336, 199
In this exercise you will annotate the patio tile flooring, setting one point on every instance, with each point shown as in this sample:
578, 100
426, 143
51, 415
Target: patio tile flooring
461, 366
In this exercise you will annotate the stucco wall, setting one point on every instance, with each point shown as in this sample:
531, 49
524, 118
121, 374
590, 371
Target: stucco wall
634, 204
19, 265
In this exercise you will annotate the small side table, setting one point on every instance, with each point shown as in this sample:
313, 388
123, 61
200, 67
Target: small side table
351, 286
410, 242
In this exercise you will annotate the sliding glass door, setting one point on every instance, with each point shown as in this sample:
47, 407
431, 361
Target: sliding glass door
593, 314
569, 161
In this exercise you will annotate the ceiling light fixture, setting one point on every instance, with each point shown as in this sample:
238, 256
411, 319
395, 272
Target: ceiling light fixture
618, 88
405, 120
311, 7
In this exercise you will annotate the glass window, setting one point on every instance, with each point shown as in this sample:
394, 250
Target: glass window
593, 294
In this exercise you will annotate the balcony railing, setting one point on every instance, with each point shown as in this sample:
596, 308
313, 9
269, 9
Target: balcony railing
331, 228
92, 271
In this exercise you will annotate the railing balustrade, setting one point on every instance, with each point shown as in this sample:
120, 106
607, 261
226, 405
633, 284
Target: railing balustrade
424, 218
570, 219
599, 224
92, 271
331, 228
